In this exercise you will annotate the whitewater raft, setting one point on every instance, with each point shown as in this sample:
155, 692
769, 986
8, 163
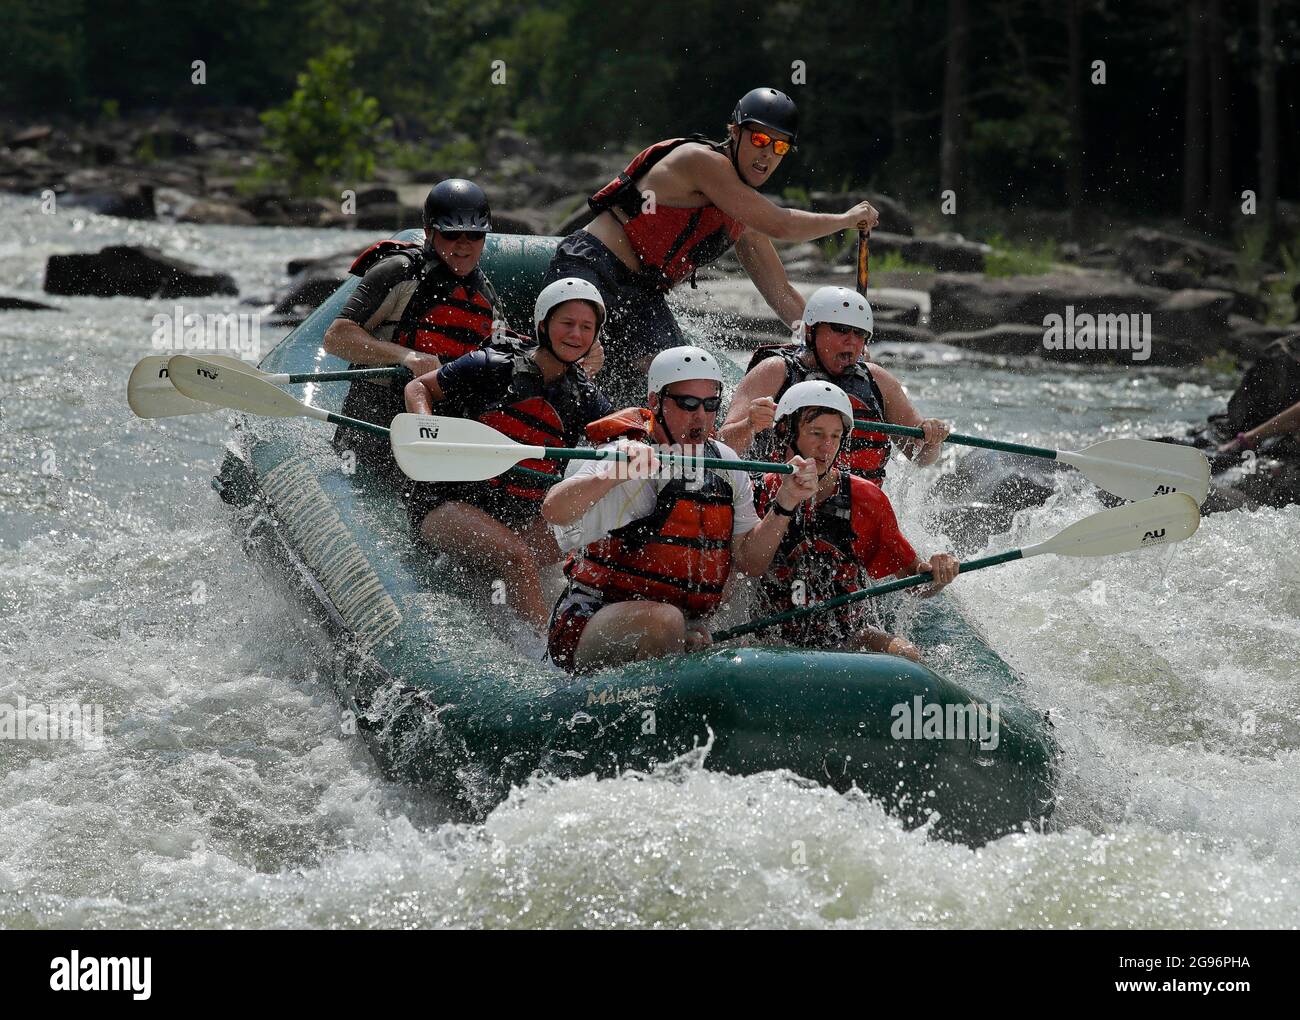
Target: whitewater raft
445, 693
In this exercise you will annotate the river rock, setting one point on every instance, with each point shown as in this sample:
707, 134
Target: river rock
13, 304
901, 333
1145, 248
518, 221
311, 282
942, 252
388, 216
132, 271
1270, 386
1193, 314
894, 217
970, 302
208, 211
132, 202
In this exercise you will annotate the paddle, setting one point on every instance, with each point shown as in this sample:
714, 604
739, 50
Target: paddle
1159, 520
150, 394
431, 448
1129, 468
864, 261
217, 384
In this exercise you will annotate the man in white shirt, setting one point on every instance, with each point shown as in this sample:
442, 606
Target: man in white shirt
657, 546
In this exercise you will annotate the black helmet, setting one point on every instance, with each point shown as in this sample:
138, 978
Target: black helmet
768, 108
457, 204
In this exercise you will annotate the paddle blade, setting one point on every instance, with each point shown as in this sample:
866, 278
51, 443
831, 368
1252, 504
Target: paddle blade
150, 393
1158, 520
432, 448
1138, 468
205, 379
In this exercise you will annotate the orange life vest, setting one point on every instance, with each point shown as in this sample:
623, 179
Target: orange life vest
865, 453
679, 554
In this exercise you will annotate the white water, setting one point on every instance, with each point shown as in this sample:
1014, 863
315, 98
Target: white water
226, 792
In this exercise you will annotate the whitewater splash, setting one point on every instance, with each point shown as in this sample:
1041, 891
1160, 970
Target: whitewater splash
229, 791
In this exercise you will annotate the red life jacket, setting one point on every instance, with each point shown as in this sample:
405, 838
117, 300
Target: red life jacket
673, 241
445, 315
816, 549
865, 453
531, 413
679, 554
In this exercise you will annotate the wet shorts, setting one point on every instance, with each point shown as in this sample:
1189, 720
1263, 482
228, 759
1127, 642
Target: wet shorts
421, 497
574, 610
640, 323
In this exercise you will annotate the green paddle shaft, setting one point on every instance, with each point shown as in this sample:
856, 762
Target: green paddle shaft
383, 372
722, 463
958, 438
858, 596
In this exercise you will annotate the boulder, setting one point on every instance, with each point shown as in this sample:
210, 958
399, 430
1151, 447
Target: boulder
1247, 339
1144, 248
211, 212
1006, 338
132, 271
968, 302
388, 216
1193, 314
901, 333
945, 253
577, 219
13, 304
518, 221
37, 135
894, 217
132, 202
311, 282
1270, 386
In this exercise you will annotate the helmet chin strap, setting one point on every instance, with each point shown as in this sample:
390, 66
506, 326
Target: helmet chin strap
811, 344
663, 422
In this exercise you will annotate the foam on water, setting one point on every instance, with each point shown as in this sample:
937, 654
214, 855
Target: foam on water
228, 791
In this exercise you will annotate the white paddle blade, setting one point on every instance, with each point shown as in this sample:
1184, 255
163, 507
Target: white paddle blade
1159, 520
150, 393
1138, 468
432, 448
206, 379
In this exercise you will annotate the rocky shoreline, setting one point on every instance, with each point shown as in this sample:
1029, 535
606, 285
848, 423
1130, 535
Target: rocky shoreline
1154, 297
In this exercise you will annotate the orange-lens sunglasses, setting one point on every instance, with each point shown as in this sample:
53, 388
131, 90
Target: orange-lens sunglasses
762, 141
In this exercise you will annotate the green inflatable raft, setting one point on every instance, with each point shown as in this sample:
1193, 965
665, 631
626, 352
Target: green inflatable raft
446, 691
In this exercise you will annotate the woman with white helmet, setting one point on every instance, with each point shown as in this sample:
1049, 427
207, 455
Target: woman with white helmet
837, 323
655, 550
538, 395
839, 540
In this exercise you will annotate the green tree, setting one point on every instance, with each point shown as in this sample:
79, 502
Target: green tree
326, 131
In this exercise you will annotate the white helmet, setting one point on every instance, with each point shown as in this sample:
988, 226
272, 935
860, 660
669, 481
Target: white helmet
838, 306
571, 288
678, 364
816, 393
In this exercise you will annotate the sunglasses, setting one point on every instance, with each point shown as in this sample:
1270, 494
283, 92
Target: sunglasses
461, 235
709, 404
762, 141
860, 334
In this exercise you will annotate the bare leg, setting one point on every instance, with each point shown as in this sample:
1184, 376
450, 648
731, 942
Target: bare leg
481, 541
541, 540
630, 631
873, 639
